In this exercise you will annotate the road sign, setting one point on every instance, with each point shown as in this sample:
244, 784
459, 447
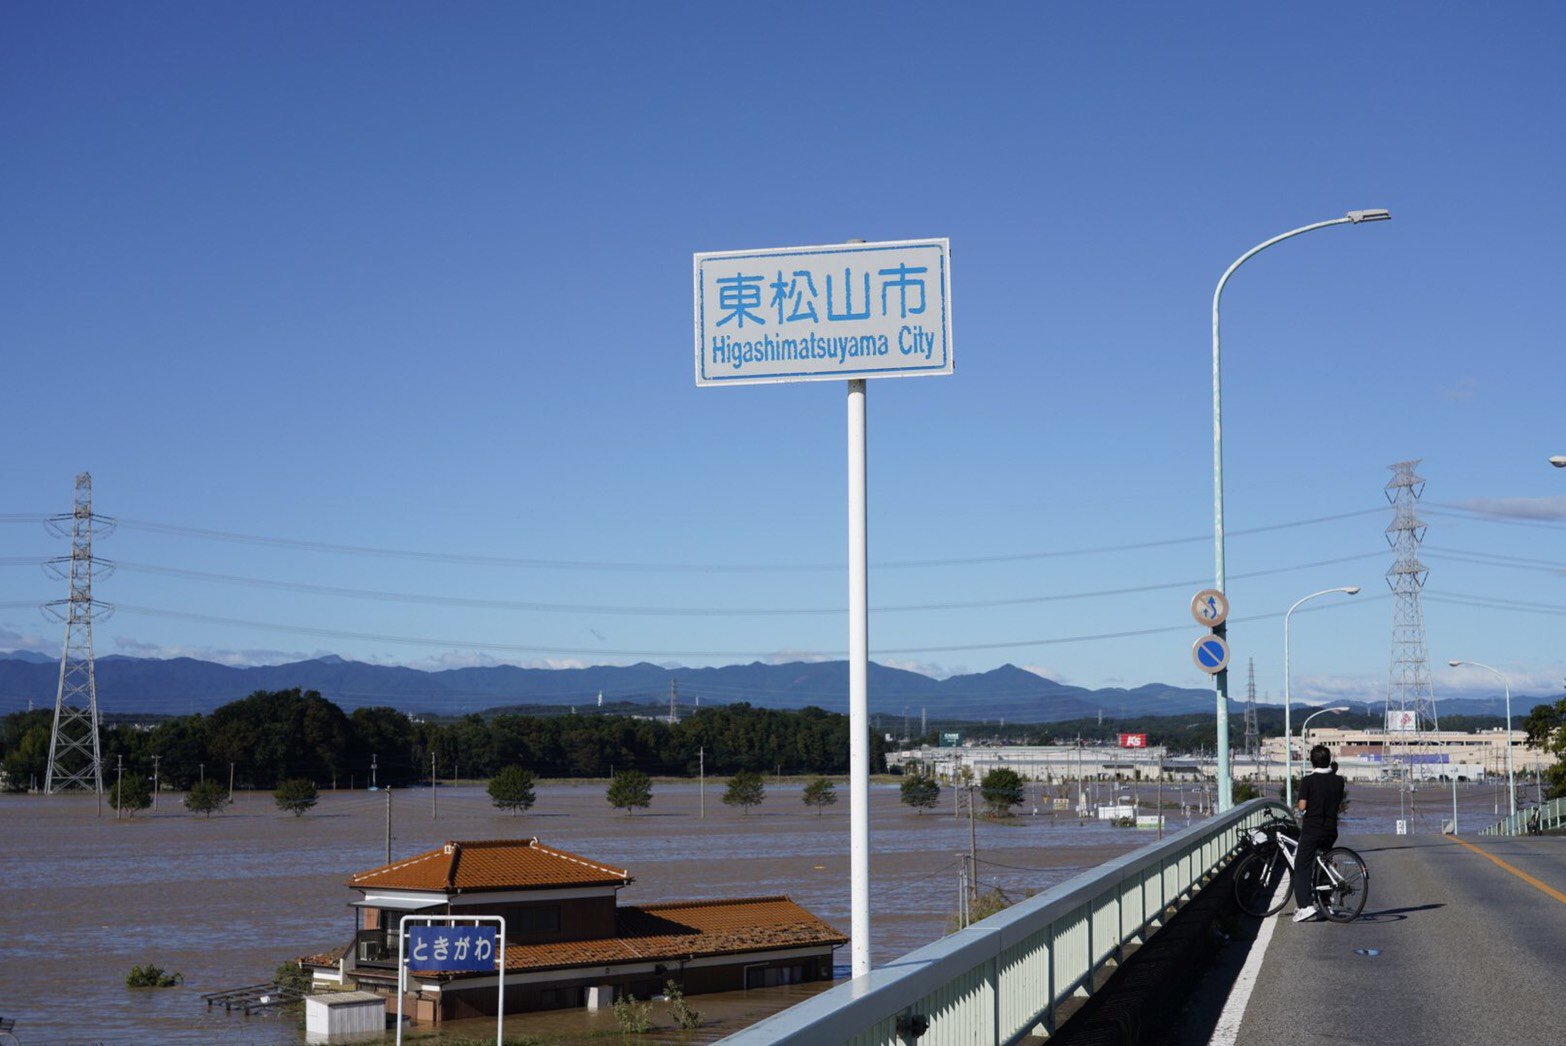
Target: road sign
451, 949
1211, 654
855, 310
1133, 740
1210, 607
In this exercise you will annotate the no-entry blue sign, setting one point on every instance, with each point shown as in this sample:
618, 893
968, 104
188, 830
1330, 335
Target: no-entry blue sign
1211, 654
451, 949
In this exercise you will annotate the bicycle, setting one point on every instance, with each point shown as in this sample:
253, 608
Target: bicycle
1340, 880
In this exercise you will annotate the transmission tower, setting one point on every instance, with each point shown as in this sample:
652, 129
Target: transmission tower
1252, 735
1410, 709
74, 760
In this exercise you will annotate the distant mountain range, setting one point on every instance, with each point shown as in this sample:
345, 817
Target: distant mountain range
179, 686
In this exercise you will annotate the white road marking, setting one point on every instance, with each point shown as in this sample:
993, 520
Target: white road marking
1227, 1031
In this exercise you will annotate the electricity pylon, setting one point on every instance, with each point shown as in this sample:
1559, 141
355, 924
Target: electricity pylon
74, 760
1410, 709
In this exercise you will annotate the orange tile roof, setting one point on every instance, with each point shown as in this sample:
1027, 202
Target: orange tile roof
326, 958
494, 864
684, 929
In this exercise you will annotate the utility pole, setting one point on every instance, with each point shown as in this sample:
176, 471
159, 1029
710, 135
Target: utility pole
701, 788
674, 699
203, 767
388, 825
905, 724
924, 723
964, 913
973, 846
74, 758
155, 782
434, 811
119, 785
373, 760
231, 782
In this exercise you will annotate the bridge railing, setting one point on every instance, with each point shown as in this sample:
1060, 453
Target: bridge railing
999, 979
1552, 815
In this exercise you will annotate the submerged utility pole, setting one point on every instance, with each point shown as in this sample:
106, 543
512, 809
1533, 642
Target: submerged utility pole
434, 811
701, 787
119, 785
388, 825
155, 782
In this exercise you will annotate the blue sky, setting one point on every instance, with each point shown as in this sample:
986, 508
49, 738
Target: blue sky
417, 277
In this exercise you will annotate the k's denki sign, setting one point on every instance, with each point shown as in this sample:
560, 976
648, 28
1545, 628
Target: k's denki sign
1133, 740
451, 949
859, 310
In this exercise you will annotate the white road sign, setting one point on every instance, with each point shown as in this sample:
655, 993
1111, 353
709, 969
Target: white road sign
1210, 607
856, 310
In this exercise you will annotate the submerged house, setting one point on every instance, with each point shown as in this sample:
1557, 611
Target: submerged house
568, 940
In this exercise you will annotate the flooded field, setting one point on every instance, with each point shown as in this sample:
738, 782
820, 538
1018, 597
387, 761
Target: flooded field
225, 900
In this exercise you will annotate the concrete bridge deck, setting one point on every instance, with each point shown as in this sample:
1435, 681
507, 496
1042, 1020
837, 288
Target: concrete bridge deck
1463, 941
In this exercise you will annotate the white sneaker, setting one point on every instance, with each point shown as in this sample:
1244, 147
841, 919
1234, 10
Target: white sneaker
1306, 915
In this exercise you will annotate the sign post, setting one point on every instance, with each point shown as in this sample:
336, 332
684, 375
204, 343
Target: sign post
832, 313
452, 949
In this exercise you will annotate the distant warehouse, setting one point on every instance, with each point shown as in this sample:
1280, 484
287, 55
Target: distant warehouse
568, 942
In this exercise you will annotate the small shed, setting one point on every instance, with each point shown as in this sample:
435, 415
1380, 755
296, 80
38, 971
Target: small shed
344, 1016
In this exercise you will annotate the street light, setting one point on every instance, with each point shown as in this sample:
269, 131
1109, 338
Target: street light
1221, 679
1511, 780
1305, 726
1288, 734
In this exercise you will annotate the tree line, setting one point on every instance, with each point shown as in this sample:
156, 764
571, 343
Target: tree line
273, 736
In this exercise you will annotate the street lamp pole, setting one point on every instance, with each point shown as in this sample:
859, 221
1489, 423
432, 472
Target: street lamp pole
1511, 780
1305, 726
1221, 680
1288, 735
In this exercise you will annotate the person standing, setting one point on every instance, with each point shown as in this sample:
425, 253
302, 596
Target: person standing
1321, 794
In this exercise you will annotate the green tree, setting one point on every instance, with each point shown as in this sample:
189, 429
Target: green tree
206, 796
630, 790
820, 794
512, 789
1001, 789
921, 792
745, 790
131, 793
1546, 727
27, 755
296, 795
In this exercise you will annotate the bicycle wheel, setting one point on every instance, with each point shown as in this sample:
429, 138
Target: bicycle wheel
1257, 882
1342, 884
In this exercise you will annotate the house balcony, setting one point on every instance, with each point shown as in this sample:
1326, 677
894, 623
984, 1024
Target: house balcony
376, 949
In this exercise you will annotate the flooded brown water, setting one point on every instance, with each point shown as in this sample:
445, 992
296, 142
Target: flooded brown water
225, 900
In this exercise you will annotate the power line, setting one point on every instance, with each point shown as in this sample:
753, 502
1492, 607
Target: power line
661, 611
599, 652
1475, 515
594, 565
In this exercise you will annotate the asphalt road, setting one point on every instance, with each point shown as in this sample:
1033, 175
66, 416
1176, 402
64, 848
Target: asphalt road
1466, 952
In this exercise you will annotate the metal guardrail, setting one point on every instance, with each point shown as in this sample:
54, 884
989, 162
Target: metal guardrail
1552, 816
1001, 978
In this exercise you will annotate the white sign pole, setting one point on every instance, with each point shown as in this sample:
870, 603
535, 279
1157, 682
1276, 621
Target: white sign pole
858, 689
500, 964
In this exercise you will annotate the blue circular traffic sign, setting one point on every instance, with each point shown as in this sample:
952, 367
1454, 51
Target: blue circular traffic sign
1211, 654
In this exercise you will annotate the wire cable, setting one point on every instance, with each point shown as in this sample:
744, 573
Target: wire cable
661, 611
151, 526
